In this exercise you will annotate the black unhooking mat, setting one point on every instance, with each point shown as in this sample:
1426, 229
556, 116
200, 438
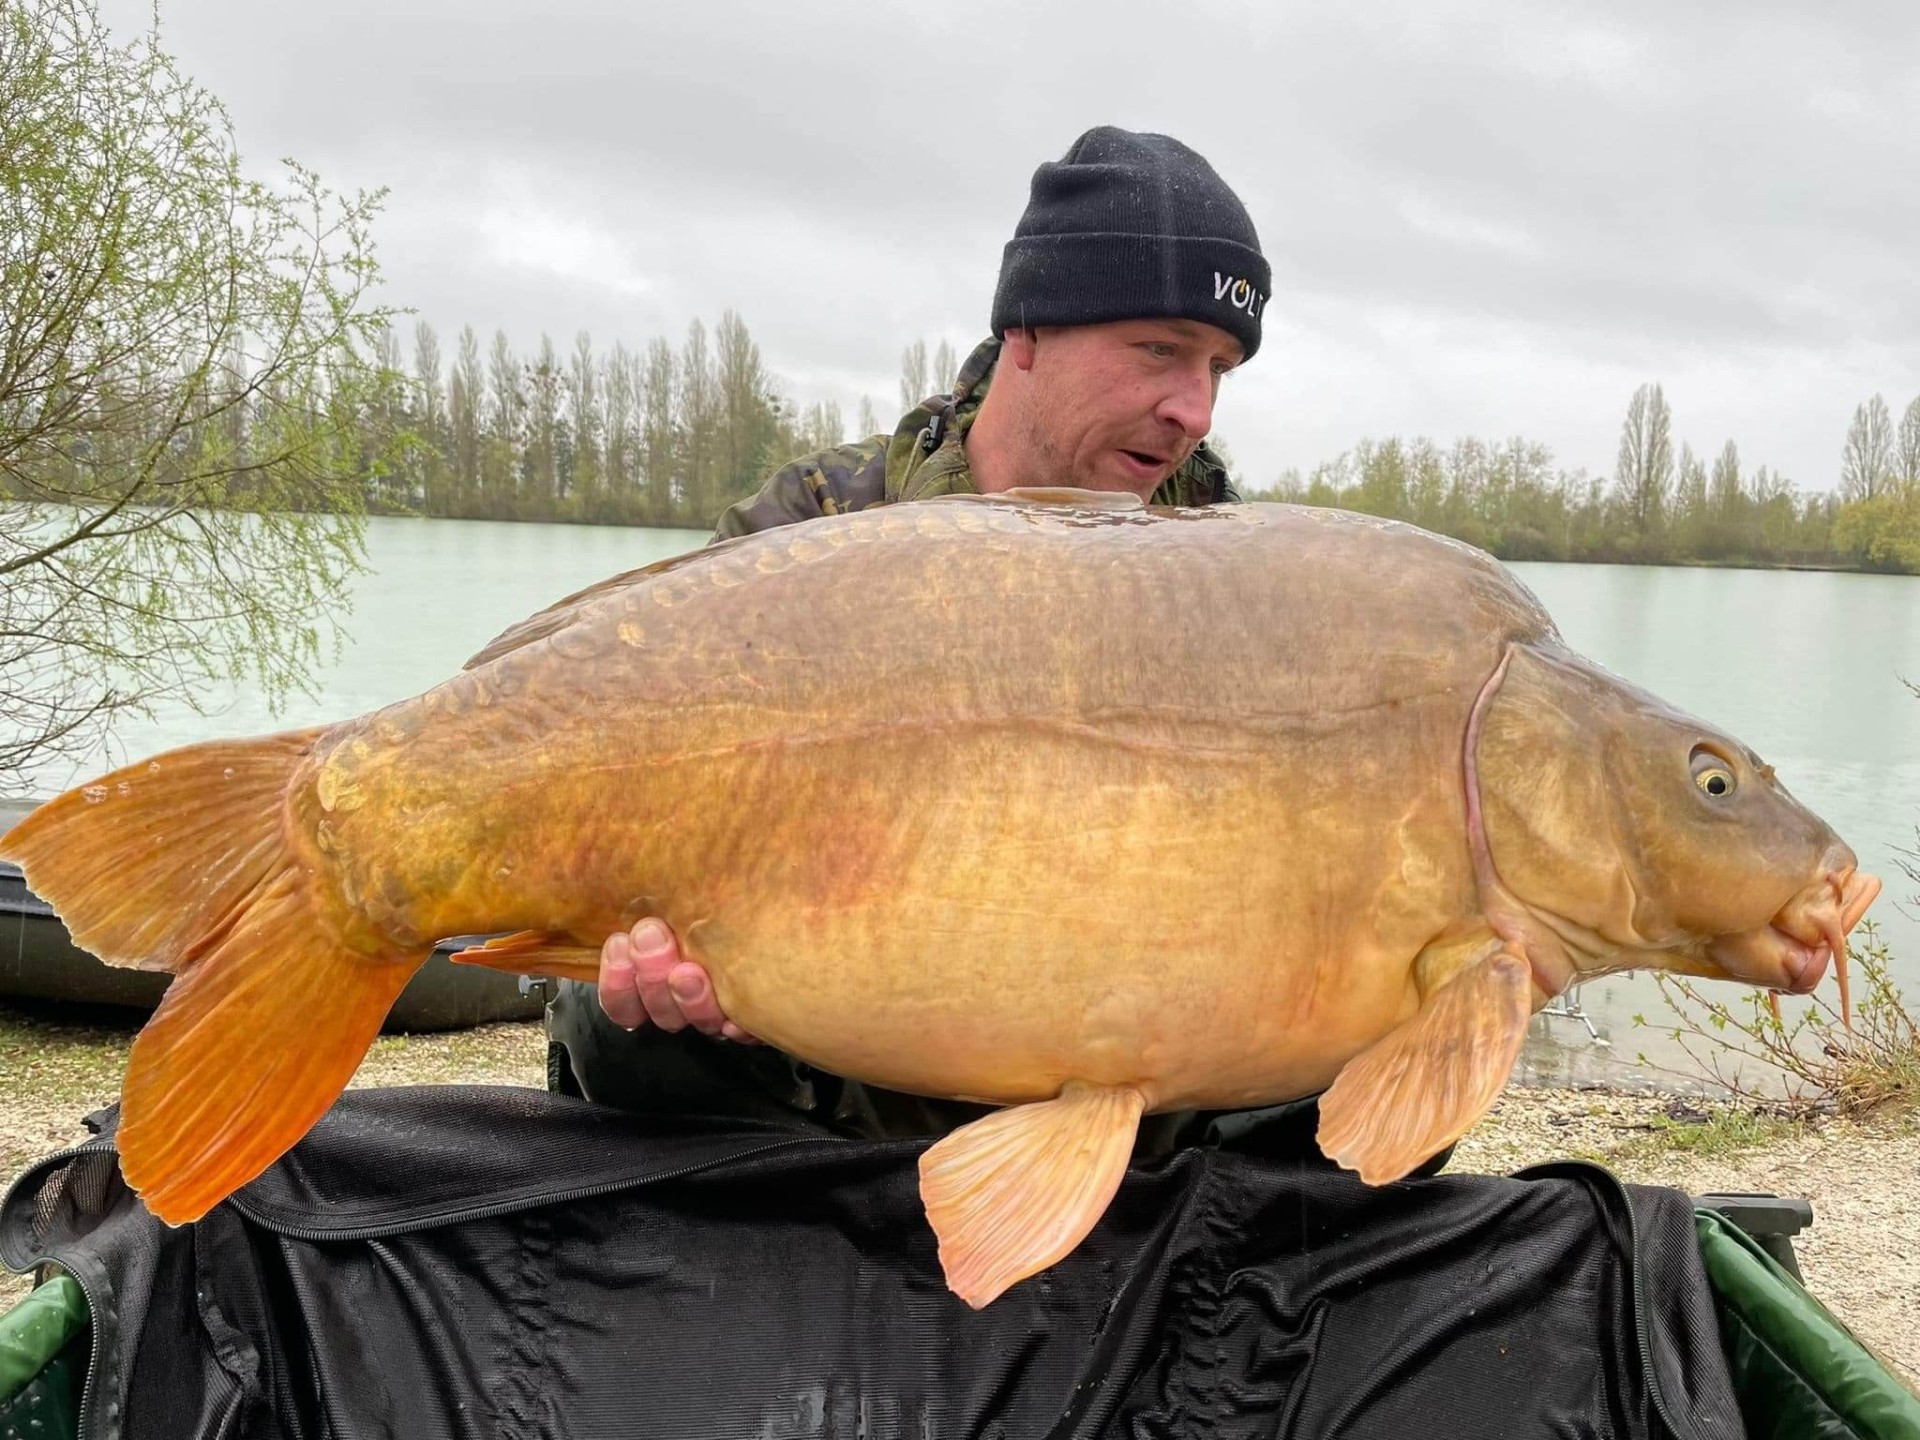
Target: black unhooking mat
509, 1264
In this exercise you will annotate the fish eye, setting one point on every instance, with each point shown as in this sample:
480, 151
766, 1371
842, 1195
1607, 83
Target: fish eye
1712, 775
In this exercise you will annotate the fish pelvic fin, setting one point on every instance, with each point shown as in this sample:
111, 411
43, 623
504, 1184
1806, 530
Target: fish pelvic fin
183, 863
1011, 1194
537, 953
1412, 1093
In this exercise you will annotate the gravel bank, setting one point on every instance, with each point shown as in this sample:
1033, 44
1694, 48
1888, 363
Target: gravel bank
1862, 1256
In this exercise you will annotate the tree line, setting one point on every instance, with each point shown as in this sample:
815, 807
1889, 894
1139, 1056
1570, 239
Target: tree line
1658, 507
657, 435
670, 436
660, 436
201, 398
651, 436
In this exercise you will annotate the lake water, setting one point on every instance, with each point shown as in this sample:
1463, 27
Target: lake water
1804, 667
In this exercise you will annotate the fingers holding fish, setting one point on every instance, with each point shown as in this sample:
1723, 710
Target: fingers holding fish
644, 979
689, 989
618, 989
654, 960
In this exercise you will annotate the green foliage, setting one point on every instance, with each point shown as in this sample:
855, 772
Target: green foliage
1509, 499
185, 383
1812, 1063
1880, 534
1719, 1132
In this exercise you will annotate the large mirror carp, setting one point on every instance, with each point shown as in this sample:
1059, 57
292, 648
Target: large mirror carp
1072, 806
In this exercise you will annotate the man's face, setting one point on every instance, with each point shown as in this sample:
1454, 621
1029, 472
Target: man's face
1118, 406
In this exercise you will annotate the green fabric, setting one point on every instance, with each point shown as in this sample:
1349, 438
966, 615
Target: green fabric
49, 1407
41, 1363
37, 1329
1800, 1373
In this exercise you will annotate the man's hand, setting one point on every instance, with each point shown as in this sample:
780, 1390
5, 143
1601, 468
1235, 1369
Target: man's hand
642, 978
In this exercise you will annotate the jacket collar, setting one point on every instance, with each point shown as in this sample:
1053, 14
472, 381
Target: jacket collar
926, 456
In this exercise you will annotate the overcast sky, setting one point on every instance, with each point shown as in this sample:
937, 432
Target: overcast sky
1482, 219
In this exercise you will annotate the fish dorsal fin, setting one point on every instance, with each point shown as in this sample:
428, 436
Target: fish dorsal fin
1065, 495
564, 612
1011, 1194
1079, 499
1414, 1092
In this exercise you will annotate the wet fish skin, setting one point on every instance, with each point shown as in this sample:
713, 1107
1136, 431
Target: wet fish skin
1082, 809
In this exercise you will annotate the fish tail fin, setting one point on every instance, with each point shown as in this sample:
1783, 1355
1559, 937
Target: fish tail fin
183, 863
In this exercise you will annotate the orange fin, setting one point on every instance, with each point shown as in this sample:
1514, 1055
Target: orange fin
534, 952
145, 863
249, 1047
1013, 1193
1414, 1092
183, 863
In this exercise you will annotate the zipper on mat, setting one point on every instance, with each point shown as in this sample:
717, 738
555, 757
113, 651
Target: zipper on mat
73, 1152
1638, 1280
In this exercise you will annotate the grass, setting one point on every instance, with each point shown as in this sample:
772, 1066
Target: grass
60, 1061
1721, 1134
509, 1054
67, 1056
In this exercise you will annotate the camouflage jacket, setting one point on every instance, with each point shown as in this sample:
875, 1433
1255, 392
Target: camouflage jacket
924, 457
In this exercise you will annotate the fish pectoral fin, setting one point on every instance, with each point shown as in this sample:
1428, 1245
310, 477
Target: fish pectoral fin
534, 952
1411, 1094
1013, 1193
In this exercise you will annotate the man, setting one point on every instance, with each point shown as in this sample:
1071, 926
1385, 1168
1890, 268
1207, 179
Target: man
1133, 284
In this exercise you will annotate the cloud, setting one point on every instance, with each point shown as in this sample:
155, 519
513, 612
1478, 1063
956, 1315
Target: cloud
519, 233
1491, 218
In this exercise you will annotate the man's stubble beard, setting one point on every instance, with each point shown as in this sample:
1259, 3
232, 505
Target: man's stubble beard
1041, 460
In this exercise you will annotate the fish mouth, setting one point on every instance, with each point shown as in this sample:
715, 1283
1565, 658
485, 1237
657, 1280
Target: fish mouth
1791, 952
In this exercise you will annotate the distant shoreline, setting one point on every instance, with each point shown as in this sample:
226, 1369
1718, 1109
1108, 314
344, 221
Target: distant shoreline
380, 511
1739, 564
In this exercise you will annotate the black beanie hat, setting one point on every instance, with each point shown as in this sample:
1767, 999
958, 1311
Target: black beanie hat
1130, 226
